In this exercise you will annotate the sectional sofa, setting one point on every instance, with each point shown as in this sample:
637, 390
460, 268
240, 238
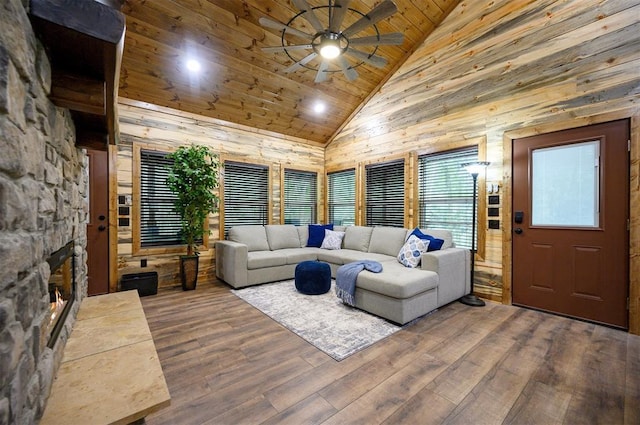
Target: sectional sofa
256, 254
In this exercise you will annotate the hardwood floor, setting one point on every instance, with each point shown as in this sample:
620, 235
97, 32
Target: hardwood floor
227, 363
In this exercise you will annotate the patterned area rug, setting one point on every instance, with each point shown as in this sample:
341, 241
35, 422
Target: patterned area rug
322, 320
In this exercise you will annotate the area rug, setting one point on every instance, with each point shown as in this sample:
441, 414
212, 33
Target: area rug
321, 320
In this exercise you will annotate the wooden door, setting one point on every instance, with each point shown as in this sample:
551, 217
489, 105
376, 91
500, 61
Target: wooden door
570, 212
98, 223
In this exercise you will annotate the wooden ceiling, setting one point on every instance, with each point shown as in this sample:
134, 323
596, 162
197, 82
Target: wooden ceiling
242, 84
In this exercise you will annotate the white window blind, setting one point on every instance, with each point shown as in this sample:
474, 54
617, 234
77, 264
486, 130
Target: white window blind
342, 197
300, 197
246, 194
446, 193
159, 223
385, 194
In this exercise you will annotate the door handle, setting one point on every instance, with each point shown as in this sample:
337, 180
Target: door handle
518, 231
101, 228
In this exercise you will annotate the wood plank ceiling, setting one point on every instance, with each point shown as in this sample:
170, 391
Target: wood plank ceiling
240, 83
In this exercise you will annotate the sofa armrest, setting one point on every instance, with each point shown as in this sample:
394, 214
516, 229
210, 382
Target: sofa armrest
231, 263
453, 268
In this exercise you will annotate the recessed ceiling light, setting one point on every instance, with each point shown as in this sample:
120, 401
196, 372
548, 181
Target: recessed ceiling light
319, 107
193, 65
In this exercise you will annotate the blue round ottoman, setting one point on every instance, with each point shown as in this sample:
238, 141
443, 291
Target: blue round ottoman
313, 277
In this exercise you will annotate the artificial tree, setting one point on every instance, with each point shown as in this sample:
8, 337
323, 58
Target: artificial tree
194, 179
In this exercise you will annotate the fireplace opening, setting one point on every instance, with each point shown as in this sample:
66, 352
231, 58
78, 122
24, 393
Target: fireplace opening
62, 290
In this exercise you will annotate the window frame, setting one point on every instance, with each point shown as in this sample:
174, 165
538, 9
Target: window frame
136, 208
283, 201
481, 216
268, 166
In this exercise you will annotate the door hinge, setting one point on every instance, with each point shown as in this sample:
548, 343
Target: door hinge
628, 303
629, 145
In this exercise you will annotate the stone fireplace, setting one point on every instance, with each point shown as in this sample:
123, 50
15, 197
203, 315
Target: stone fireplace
43, 209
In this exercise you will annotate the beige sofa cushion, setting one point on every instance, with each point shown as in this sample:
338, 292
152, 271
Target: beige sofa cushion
387, 240
303, 235
397, 281
253, 236
282, 236
357, 237
265, 259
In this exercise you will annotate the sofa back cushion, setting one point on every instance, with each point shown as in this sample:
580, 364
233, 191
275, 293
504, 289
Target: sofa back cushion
303, 235
387, 240
357, 238
438, 233
254, 236
282, 236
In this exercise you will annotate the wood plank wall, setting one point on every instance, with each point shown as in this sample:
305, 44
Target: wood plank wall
165, 128
501, 67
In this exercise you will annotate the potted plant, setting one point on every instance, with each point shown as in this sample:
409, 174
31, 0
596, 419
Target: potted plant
194, 179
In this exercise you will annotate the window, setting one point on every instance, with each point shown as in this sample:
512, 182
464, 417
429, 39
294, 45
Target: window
385, 194
565, 185
342, 197
159, 223
300, 197
446, 193
246, 194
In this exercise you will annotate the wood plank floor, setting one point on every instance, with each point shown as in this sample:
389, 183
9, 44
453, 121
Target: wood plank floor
227, 363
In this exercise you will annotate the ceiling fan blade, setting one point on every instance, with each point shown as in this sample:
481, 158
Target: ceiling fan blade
270, 23
394, 38
278, 49
296, 66
348, 72
322, 74
309, 14
381, 11
377, 61
338, 10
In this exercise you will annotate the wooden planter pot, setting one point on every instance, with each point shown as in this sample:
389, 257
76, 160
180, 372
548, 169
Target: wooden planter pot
189, 271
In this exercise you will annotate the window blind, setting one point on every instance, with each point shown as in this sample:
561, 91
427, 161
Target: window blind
446, 193
246, 194
342, 197
159, 223
300, 197
385, 194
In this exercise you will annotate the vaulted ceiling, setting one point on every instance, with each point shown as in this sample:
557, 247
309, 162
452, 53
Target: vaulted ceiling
238, 81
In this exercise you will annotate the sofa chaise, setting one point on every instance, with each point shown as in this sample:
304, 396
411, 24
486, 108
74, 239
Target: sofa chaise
256, 254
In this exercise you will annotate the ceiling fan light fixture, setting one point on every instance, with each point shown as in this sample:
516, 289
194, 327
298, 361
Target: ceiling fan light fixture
330, 47
330, 44
329, 51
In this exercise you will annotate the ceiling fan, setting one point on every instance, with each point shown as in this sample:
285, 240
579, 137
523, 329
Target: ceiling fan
327, 49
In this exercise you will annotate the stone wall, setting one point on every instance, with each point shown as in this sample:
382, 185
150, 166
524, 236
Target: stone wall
43, 187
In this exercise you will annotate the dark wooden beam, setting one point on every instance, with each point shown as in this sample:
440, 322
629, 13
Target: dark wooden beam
84, 40
84, 16
78, 93
92, 140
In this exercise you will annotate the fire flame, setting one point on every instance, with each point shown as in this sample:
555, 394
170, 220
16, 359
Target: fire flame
56, 306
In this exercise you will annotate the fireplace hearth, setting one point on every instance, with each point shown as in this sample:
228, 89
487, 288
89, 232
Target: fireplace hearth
62, 290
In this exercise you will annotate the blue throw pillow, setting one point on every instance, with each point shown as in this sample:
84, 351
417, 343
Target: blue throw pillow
316, 234
435, 244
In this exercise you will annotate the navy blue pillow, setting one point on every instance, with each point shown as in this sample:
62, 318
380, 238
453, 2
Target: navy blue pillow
316, 234
435, 244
